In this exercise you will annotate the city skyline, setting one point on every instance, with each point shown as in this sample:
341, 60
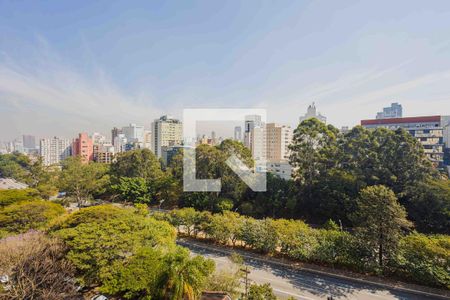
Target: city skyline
89, 71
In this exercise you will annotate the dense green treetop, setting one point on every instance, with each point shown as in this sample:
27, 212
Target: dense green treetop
137, 163
22, 216
82, 181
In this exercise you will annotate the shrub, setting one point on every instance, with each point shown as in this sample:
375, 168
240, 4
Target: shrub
36, 267
22, 216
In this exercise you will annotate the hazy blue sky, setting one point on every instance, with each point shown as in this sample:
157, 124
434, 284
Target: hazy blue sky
72, 66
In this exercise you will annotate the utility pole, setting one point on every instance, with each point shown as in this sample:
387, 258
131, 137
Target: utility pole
246, 271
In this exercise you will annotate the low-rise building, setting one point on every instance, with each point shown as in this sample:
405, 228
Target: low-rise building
103, 153
281, 169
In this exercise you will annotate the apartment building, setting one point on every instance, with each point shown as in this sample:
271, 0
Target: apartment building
166, 132
54, 150
103, 153
83, 147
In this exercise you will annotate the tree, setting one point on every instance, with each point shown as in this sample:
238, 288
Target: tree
136, 277
385, 157
425, 259
8, 197
136, 163
82, 181
132, 190
184, 219
261, 292
36, 268
184, 277
259, 235
428, 206
225, 227
279, 200
15, 165
311, 150
380, 221
26, 215
103, 237
43, 178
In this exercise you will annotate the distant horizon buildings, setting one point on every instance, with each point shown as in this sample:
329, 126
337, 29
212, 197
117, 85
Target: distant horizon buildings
29, 142
390, 112
312, 112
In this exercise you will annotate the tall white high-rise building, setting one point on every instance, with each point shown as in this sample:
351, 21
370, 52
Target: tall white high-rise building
251, 122
166, 131
393, 111
313, 113
258, 144
54, 150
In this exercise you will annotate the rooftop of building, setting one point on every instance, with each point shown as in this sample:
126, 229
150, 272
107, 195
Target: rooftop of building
422, 119
215, 296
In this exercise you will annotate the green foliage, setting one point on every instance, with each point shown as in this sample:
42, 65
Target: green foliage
379, 220
225, 227
15, 165
137, 163
136, 275
259, 235
311, 150
127, 253
82, 181
428, 206
331, 225
425, 259
224, 204
132, 189
20, 167
25, 215
101, 235
385, 157
137, 177
261, 292
8, 197
183, 276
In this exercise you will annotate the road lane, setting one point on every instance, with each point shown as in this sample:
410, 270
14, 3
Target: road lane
288, 282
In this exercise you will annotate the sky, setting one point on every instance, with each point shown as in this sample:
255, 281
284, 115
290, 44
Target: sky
72, 66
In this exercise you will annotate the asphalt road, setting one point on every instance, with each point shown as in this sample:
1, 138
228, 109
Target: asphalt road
288, 282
